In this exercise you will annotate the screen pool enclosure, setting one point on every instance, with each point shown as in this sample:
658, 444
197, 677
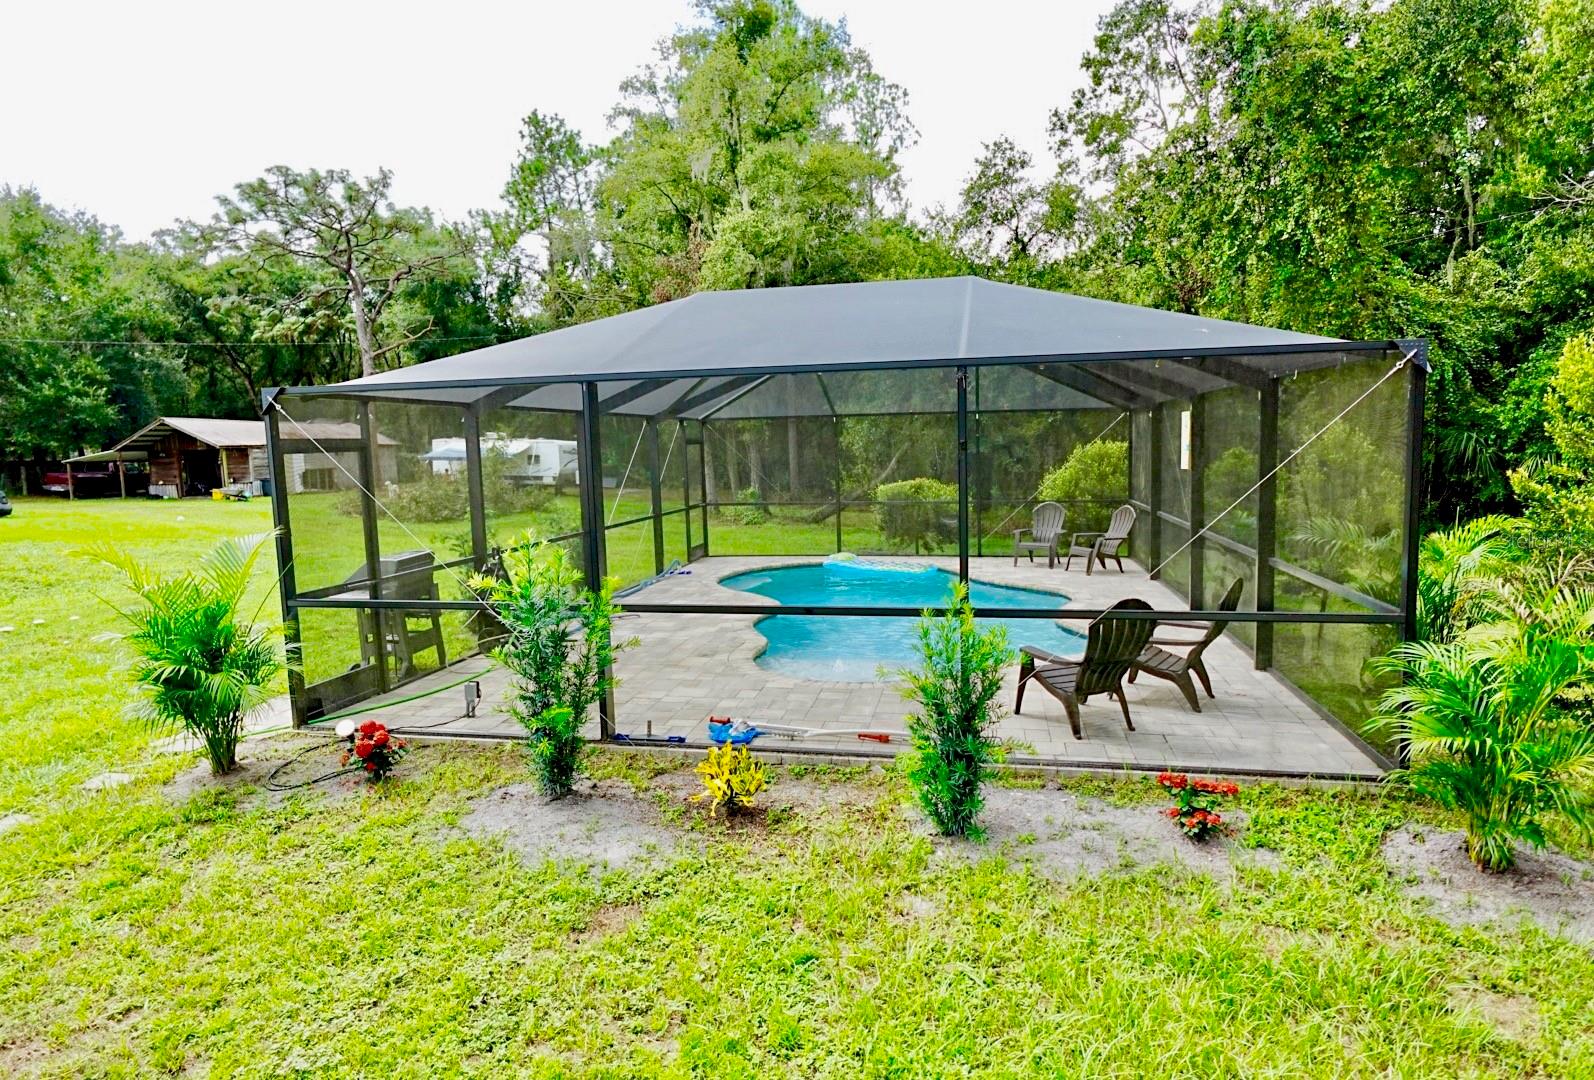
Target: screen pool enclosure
684, 446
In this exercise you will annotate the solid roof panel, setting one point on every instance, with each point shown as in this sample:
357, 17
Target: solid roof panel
836, 327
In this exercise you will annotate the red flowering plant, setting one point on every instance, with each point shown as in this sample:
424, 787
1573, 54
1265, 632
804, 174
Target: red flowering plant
1195, 808
372, 748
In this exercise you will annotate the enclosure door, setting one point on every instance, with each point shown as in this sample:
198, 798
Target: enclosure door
696, 501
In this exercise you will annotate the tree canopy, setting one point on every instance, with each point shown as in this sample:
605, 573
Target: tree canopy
1415, 168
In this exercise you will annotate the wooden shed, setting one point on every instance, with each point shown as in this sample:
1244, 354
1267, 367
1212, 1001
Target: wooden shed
191, 455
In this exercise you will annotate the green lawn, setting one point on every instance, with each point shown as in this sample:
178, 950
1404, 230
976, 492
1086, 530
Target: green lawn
367, 935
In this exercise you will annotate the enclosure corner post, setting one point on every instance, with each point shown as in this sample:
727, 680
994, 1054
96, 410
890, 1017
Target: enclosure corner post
589, 461
476, 491
1416, 400
287, 585
376, 620
1267, 459
1415, 404
836, 479
963, 473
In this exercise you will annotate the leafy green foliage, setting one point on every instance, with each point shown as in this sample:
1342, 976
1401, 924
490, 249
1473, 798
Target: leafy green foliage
559, 652
918, 513
64, 282
1491, 715
1096, 471
202, 666
753, 510
955, 689
366, 248
446, 497
1558, 491
1456, 569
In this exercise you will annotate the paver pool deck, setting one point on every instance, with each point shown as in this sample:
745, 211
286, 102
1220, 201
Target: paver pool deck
685, 668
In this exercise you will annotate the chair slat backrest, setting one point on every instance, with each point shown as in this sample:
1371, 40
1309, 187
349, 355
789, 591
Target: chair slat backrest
1230, 602
1112, 645
1123, 519
1047, 522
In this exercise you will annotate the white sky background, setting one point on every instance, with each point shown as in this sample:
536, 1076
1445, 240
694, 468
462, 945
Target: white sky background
142, 112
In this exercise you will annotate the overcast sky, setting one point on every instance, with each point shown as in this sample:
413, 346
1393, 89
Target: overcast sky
142, 112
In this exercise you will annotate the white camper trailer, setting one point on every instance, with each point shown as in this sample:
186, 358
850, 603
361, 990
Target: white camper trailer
528, 460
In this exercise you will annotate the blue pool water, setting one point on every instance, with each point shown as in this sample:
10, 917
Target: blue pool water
855, 648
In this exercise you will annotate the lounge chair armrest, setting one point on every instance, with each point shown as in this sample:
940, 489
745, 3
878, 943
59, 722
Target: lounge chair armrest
1176, 642
1042, 655
1018, 534
1187, 625
1082, 535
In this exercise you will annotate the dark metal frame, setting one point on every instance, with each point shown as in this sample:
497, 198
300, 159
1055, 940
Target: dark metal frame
1075, 372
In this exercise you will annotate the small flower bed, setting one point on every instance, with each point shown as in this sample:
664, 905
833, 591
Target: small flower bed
1195, 809
372, 748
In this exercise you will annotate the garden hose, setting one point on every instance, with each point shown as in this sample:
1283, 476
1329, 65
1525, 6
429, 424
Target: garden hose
361, 710
271, 780
273, 785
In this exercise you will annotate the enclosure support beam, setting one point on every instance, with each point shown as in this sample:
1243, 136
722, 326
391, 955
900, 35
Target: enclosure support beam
980, 472
1267, 459
1154, 491
835, 427
374, 622
655, 493
589, 462
287, 585
474, 486
1198, 510
963, 474
1080, 378
702, 477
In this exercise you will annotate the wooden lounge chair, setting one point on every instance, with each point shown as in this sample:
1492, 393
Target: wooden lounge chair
1106, 544
1110, 649
1178, 667
1045, 529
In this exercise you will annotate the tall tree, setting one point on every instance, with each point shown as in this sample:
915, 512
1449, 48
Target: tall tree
1008, 216
80, 359
367, 247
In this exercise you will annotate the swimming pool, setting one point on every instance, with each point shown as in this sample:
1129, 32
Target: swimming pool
854, 648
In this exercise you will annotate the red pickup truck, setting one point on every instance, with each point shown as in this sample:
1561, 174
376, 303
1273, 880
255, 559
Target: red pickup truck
90, 481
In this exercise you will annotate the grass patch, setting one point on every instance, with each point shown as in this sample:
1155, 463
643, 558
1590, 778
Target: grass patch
367, 934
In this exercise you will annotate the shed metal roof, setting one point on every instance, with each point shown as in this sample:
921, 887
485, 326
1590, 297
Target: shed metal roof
218, 433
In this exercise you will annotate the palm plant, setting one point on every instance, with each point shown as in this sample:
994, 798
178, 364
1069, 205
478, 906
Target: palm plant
1457, 569
1493, 717
202, 666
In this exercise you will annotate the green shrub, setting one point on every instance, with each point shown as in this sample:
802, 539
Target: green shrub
558, 649
751, 508
956, 691
1558, 492
919, 513
202, 667
1099, 471
1495, 714
446, 497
